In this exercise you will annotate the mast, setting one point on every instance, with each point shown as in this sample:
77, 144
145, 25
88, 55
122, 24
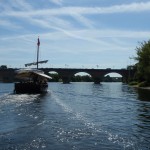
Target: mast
37, 61
38, 45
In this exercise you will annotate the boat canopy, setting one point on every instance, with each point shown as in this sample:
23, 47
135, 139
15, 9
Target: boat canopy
30, 73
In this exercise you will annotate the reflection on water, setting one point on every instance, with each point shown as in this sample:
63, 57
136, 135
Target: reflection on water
143, 94
110, 116
143, 121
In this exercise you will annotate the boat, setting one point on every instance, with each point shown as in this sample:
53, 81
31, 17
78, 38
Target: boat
31, 81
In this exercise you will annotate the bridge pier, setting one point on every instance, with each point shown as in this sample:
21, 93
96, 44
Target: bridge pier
66, 80
97, 80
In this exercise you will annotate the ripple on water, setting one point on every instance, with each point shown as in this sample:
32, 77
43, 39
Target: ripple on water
90, 130
75, 116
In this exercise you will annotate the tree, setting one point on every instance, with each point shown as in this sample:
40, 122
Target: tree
143, 64
55, 77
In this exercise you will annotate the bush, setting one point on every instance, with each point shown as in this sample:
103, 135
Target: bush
143, 64
143, 84
133, 83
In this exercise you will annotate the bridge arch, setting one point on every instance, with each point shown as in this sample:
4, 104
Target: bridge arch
119, 73
113, 74
54, 75
112, 77
81, 77
53, 72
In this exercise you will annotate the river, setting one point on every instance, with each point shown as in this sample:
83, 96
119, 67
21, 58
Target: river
76, 116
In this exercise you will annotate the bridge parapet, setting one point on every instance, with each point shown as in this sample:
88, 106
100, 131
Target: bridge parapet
97, 74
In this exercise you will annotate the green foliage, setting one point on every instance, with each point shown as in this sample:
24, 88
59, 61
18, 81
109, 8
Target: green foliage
107, 79
79, 78
143, 58
55, 77
143, 84
3, 67
133, 83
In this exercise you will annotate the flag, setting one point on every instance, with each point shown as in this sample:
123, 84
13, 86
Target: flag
38, 43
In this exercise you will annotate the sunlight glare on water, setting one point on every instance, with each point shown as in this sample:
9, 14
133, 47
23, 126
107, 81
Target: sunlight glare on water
75, 116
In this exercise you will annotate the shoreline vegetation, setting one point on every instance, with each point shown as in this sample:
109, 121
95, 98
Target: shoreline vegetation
141, 79
142, 85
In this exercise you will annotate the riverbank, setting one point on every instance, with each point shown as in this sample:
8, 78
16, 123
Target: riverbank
145, 88
137, 86
142, 85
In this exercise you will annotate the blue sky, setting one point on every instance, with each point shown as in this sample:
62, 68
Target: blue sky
73, 33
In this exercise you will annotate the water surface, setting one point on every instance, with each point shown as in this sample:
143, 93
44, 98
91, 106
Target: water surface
75, 116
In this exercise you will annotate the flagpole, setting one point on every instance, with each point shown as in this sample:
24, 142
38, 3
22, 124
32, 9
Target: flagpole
38, 45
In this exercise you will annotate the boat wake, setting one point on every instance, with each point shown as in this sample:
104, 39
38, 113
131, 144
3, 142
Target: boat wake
92, 130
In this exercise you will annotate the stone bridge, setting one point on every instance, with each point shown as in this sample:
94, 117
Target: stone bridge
97, 74
8, 75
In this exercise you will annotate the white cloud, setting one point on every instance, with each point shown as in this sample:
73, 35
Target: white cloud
58, 2
86, 22
108, 33
8, 6
133, 7
98, 40
21, 4
8, 24
62, 26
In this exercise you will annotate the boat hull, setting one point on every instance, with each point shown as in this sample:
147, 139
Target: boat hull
30, 88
